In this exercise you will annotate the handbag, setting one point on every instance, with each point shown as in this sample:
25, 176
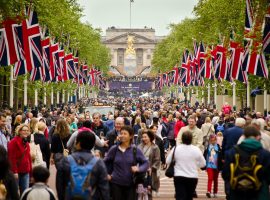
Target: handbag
138, 177
36, 154
65, 151
170, 170
205, 138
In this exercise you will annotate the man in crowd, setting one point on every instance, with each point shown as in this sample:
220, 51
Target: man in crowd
112, 136
3, 133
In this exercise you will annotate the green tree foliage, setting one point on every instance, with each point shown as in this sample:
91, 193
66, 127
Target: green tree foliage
213, 22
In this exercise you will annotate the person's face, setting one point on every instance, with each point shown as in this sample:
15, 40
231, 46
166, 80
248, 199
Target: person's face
212, 140
154, 129
2, 123
96, 119
24, 132
145, 139
125, 137
191, 123
118, 125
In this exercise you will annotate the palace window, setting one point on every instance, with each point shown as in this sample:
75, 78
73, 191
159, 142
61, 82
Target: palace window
120, 56
139, 54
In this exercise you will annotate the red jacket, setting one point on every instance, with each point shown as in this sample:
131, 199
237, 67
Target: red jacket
19, 163
178, 125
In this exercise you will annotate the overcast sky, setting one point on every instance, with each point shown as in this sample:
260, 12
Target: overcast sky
157, 14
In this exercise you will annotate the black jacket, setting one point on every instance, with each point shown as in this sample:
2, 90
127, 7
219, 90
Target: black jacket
160, 144
44, 147
98, 176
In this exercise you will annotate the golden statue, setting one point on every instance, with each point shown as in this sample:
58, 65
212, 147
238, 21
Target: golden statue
130, 49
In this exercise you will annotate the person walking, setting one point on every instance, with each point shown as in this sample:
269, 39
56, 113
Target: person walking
19, 156
122, 165
188, 159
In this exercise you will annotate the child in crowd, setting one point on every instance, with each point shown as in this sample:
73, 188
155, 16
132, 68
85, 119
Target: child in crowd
219, 139
97, 154
212, 156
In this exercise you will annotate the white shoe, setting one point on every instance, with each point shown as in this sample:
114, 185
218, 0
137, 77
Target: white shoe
157, 193
154, 194
215, 196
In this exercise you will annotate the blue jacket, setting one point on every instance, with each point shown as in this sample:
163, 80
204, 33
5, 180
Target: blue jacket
230, 138
98, 176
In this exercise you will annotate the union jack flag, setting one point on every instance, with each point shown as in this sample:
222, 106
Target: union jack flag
60, 64
175, 75
92, 76
236, 56
69, 70
4, 53
8, 51
159, 82
249, 17
208, 64
266, 34
186, 64
53, 61
201, 60
221, 67
46, 59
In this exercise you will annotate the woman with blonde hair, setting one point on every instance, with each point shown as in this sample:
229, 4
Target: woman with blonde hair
32, 125
39, 138
19, 156
17, 122
59, 139
207, 130
137, 127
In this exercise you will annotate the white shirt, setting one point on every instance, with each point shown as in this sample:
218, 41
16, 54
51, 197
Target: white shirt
188, 159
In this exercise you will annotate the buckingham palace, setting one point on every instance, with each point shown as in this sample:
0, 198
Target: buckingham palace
138, 42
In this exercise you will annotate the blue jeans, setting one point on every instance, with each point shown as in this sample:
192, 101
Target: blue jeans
23, 182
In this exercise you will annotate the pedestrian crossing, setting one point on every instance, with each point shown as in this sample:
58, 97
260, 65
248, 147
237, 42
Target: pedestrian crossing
167, 188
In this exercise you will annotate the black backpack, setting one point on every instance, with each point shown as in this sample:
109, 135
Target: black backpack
246, 172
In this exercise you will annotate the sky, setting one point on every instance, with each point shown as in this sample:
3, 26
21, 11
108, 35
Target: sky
157, 14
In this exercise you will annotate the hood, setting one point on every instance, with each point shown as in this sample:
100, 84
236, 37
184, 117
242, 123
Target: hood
250, 145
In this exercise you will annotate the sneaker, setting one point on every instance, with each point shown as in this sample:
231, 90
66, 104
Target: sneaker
215, 195
154, 194
208, 194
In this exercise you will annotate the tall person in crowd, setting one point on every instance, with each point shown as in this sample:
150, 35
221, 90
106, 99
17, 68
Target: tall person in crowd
188, 159
122, 164
19, 156
3, 132
152, 154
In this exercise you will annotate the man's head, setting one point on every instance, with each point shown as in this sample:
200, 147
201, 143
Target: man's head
96, 118
85, 140
252, 132
259, 115
2, 121
187, 137
119, 123
191, 122
240, 122
41, 174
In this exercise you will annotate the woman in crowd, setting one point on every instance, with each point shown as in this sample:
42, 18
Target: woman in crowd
32, 125
59, 139
40, 139
7, 179
19, 156
17, 122
72, 125
137, 127
151, 152
207, 129
188, 158
122, 164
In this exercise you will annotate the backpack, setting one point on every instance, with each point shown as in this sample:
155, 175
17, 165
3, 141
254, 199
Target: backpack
79, 186
220, 128
245, 172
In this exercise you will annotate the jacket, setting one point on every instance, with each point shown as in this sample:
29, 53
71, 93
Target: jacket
231, 137
250, 146
154, 157
178, 125
160, 144
44, 147
19, 156
101, 128
219, 161
11, 186
119, 164
98, 176
171, 125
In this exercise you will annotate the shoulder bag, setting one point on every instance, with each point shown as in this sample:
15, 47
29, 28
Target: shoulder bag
170, 170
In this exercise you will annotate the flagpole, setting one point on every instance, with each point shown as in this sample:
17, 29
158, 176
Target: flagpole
265, 100
11, 88
52, 98
234, 95
57, 98
68, 97
45, 96
63, 97
36, 98
248, 94
215, 94
25, 93
202, 95
208, 97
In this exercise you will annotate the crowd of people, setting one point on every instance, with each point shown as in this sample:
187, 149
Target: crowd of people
121, 154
